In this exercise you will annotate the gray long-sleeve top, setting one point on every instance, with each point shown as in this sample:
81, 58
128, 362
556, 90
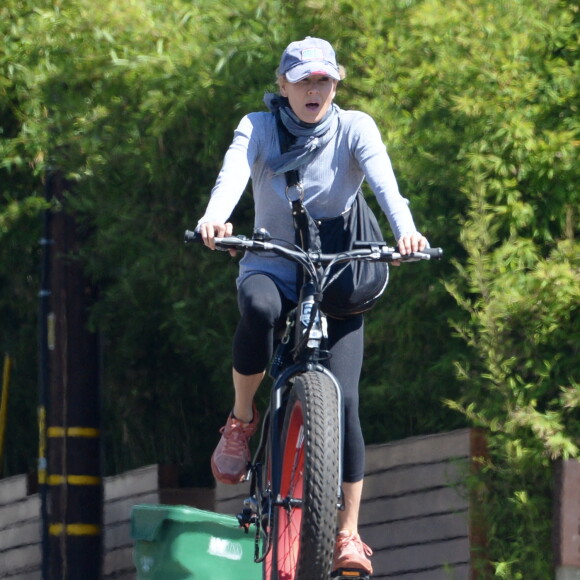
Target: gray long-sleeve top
331, 181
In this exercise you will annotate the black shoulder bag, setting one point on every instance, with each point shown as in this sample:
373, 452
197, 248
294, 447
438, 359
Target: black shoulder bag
359, 285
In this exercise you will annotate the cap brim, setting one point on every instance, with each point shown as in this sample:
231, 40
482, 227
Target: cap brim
306, 69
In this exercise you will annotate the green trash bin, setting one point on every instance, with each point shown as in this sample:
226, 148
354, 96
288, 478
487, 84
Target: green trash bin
181, 543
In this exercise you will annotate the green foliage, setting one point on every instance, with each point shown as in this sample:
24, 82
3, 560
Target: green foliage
136, 102
485, 138
519, 285
521, 382
515, 503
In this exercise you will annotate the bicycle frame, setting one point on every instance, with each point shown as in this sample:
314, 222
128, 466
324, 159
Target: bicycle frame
308, 360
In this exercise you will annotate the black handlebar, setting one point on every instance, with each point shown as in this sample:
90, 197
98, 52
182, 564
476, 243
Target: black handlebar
433, 253
192, 237
370, 250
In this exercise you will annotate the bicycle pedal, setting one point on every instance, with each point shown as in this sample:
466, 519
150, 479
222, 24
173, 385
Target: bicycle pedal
349, 574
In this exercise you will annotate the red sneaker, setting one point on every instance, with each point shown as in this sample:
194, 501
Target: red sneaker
229, 462
351, 552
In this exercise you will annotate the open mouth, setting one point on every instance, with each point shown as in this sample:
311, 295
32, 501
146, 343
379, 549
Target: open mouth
312, 106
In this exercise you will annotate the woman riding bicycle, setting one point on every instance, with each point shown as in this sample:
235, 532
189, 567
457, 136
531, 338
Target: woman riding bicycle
335, 150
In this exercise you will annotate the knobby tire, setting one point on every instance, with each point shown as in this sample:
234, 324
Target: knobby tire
303, 537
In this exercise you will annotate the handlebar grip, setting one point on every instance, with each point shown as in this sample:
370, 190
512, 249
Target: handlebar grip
192, 237
435, 253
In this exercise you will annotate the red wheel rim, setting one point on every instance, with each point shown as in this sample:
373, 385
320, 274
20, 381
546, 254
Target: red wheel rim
288, 521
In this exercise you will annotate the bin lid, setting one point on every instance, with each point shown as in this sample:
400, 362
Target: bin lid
147, 519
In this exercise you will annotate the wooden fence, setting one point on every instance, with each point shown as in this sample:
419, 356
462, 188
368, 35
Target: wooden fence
566, 534
20, 532
417, 514
20, 556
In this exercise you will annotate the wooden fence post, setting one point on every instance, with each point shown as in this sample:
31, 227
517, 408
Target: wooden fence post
566, 531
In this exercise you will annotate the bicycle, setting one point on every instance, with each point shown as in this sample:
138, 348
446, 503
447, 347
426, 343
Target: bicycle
296, 472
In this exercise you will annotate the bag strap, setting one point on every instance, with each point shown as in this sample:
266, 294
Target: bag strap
306, 231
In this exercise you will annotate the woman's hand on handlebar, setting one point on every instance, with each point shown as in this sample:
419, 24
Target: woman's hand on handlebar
211, 230
409, 243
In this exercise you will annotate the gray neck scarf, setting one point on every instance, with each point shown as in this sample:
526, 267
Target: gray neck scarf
310, 137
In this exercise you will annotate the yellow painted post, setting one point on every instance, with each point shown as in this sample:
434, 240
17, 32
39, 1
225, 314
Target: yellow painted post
4, 406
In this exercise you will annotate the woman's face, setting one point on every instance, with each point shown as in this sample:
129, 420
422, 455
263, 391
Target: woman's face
311, 97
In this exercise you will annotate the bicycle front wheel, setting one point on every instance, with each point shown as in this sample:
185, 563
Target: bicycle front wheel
304, 527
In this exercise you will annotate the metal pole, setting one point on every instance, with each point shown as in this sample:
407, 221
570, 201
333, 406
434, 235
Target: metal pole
45, 342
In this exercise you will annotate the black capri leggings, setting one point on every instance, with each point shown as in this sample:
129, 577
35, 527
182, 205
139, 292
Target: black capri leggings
263, 311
